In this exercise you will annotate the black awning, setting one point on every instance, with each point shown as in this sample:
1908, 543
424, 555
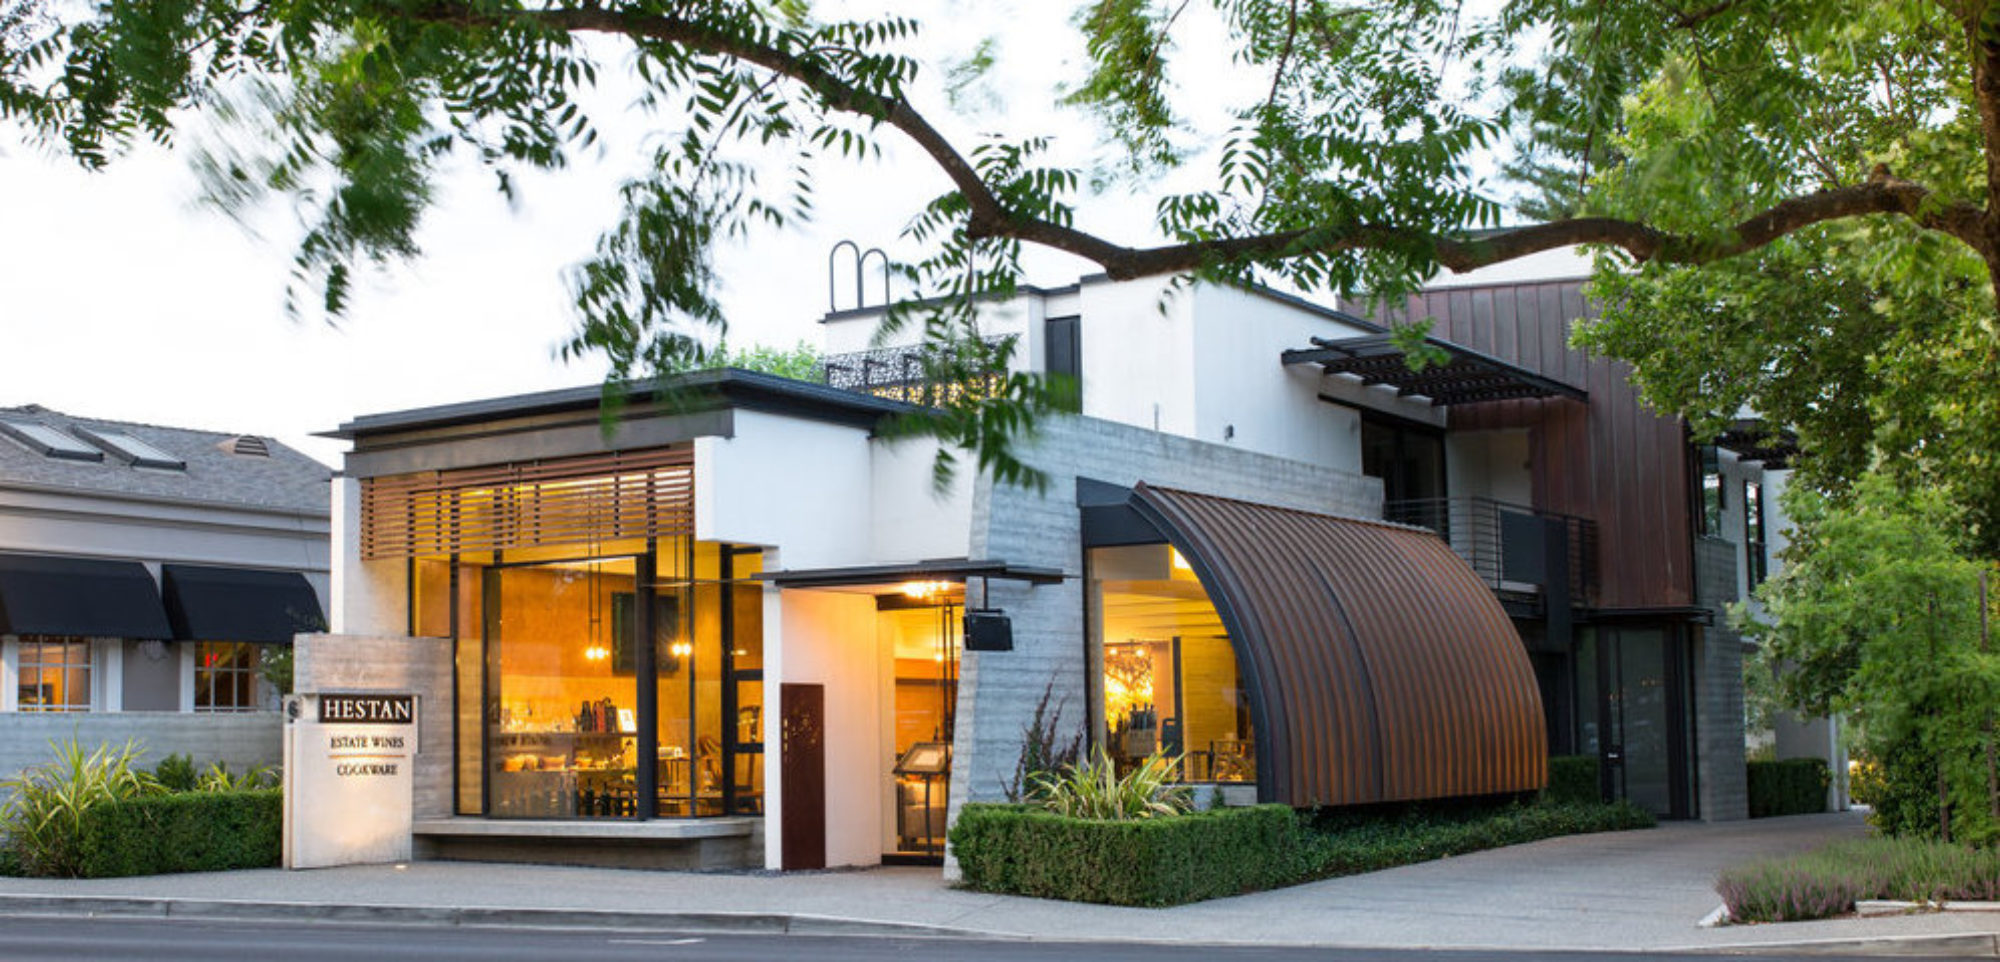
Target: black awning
1468, 377
239, 604
42, 595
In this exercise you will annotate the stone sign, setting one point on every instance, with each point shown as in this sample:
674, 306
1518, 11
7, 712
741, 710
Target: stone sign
348, 778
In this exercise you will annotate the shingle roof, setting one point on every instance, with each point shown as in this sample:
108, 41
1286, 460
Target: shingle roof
215, 474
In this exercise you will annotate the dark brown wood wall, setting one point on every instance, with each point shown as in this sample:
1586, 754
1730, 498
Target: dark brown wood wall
1612, 460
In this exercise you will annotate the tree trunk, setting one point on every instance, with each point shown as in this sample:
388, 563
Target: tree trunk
1992, 772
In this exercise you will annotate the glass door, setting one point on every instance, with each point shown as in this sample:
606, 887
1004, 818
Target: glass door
923, 631
1643, 716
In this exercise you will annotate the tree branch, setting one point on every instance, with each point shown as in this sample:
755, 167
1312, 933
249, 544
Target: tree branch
990, 218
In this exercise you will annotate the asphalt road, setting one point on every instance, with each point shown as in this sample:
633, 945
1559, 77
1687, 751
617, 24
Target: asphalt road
78, 939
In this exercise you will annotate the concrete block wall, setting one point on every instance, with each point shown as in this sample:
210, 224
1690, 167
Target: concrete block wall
242, 740
324, 662
998, 691
1724, 793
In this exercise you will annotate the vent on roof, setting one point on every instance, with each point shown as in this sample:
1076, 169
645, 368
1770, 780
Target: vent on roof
49, 442
247, 445
131, 450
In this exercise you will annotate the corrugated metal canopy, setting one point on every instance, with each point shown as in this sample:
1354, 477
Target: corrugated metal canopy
1378, 666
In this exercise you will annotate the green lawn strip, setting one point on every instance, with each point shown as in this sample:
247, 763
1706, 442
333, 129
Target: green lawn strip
1829, 881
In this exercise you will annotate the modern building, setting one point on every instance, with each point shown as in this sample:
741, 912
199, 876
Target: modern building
1268, 547
143, 570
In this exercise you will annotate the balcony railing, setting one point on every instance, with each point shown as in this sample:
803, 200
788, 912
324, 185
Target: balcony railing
903, 373
1515, 549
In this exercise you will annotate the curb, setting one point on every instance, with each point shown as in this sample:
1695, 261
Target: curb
764, 923
1975, 945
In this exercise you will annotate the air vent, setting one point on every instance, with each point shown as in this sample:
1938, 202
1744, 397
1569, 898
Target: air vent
248, 446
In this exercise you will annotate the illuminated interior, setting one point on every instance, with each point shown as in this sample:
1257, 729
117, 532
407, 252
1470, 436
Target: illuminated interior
920, 623
1167, 673
551, 665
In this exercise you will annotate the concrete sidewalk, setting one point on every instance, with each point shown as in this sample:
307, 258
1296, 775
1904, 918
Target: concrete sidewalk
1642, 891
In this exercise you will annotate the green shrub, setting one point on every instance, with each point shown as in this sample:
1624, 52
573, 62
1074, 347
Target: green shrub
1828, 881
1796, 786
1155, 861
1572, 780
1369, 845
176, 773
182, 832
1023, 850
44, 814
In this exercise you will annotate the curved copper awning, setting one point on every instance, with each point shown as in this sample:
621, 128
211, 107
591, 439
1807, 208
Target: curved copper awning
1379, 668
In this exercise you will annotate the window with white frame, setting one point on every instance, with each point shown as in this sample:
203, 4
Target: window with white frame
225, 676
54, 673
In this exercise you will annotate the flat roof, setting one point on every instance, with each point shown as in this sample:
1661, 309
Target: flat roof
722, 387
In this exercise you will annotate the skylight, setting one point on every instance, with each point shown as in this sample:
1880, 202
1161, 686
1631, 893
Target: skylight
49, 442
132, 450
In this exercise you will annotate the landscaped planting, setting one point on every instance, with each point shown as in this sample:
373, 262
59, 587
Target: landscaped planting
1573, 778
201, 831
91, 813
1828, 881
1024, 850
1795, 786
1168, 860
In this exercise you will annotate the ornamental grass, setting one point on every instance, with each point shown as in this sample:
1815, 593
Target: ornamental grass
1829, 881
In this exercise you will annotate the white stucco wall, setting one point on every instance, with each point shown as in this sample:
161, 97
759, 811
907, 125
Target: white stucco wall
910, 520
829, 638
1242, 383
371, 597
1138, 359
803, 485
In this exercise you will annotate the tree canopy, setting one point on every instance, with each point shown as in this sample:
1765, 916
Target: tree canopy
1712, 147
1877, 617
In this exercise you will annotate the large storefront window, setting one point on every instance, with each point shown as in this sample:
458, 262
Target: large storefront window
54, 673
621, 681
1167, 673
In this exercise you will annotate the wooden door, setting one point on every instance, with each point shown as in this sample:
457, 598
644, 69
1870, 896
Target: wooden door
802, 762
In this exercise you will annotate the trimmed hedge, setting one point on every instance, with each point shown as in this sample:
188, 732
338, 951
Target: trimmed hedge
1796, 786
1572, 780
1152, 861
1373, 845
183, 832
1024, 850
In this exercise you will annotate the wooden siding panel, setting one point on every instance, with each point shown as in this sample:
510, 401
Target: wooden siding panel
1611, 460
577, 500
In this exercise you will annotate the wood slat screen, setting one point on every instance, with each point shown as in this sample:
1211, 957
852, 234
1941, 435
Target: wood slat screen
631, 494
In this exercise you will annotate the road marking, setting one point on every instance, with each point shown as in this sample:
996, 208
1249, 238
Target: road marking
655, 941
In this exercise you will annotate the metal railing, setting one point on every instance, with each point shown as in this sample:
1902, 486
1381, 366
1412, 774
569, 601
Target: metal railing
906, 373
1508, 545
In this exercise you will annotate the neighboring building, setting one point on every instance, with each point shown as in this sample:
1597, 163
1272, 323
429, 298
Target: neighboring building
844, 651
143, 570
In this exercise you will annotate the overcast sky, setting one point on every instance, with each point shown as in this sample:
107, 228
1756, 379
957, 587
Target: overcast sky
121, 299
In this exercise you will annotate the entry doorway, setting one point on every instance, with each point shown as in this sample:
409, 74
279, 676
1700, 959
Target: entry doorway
922, 625
1642, 727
